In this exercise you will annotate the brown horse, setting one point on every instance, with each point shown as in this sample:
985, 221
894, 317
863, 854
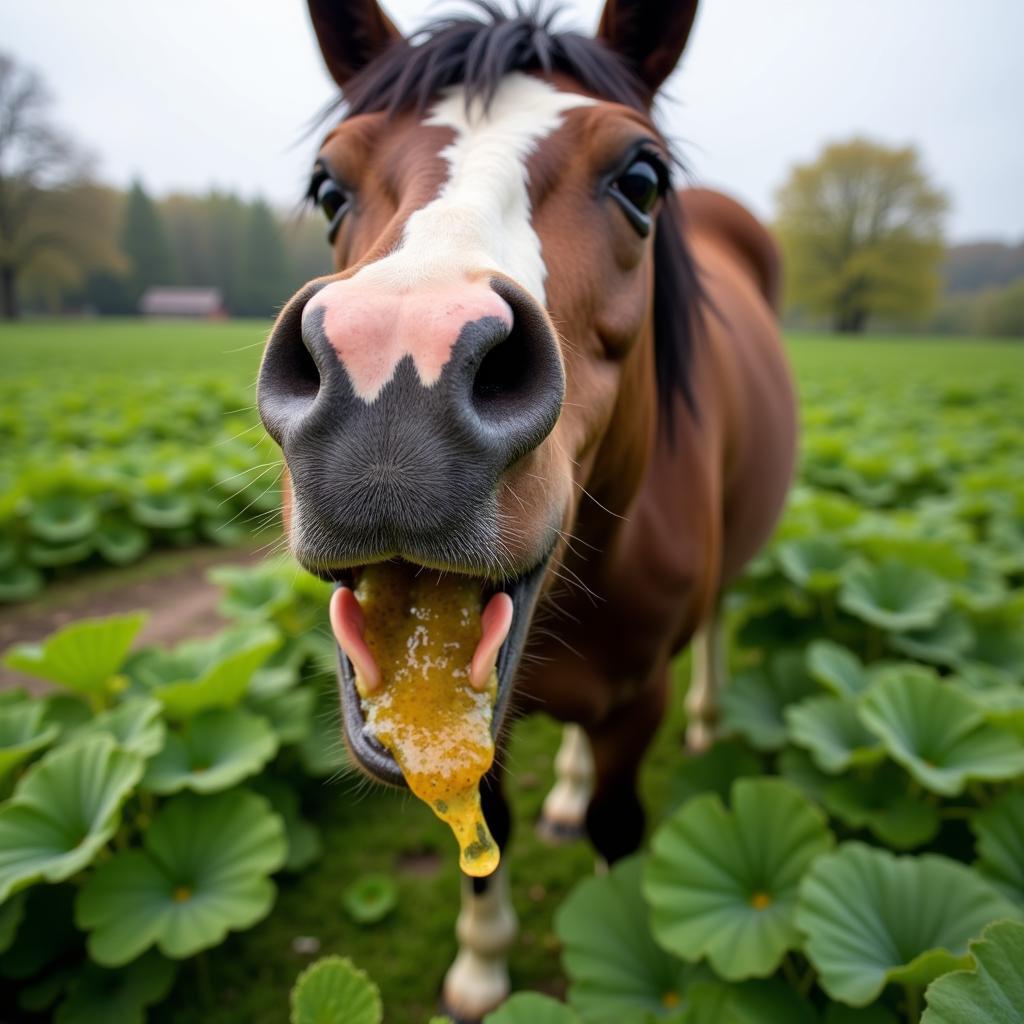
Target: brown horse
540, 366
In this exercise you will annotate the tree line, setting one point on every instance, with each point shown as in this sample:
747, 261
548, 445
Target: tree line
861, 227
70, 244
255, 256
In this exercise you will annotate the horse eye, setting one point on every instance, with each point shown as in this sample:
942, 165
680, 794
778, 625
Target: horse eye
640, 184
334, 201
638, 190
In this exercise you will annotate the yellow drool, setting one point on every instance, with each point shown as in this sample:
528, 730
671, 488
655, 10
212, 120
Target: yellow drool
422, 631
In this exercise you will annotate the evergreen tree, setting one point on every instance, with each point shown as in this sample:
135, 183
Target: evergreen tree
144, 243
264, 285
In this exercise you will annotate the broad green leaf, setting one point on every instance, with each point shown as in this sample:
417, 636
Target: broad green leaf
993, 991
747, 1002
215, 750
722, 883
944, 643
893, 596
23, 732
203, 871
882, 803
100, 996
999, 641
62, 519
617, 973
714, 770
135, 725
938, 734
304, 843
999, 829
84, 656
829, 728
289, 713
838, 668
532, 1008
334, 991
64, 810
222, 686
754, 703
121, 542
813, 563
257, 593
872, 918
20, 582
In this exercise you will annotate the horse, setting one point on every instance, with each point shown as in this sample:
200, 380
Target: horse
539, 365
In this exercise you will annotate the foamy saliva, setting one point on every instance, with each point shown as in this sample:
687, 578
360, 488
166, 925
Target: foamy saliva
424, 650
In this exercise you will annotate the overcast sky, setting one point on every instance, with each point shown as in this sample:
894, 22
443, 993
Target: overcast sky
194, 93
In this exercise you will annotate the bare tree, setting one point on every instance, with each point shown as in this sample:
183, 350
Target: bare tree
39, 168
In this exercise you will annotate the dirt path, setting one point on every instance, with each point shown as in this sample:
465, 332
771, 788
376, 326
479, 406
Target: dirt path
172, 588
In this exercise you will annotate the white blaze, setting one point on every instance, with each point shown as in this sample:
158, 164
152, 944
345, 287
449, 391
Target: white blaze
480, 221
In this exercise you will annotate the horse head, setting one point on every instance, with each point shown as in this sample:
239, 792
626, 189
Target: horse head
508, 321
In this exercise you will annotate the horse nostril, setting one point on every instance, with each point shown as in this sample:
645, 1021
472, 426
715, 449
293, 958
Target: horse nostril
502, 379
517, 386
289, 378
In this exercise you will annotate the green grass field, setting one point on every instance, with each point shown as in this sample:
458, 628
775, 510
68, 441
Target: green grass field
370, 830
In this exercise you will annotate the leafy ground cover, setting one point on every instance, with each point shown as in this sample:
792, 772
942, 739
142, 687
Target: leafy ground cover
912, 459
119, 437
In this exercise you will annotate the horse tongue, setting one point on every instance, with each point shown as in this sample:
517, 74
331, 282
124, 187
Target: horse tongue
495, 622
349, 625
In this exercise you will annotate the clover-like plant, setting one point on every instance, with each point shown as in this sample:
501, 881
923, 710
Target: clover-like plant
829, 728
999, 829
135, 724
722, 884
64, 810
893, 596
619, 973
938, 734
334, 991
85, 656
215, 750
993, 991
22, 733
203, 870
754, 703
872, 918
223, 683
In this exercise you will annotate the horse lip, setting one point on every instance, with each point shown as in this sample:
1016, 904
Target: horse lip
370, 752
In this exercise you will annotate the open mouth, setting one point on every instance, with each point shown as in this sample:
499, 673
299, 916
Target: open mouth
504, 611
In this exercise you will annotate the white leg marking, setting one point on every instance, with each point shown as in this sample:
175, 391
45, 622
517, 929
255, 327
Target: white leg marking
707, 677
478, 981
565, 807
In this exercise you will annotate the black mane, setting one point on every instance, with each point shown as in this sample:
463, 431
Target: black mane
477, 52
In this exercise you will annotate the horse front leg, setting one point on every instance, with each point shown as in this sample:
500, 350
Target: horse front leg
563, 816
615, 815
478, 980
707, 679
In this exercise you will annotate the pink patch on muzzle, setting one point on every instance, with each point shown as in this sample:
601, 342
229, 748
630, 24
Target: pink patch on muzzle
372, 328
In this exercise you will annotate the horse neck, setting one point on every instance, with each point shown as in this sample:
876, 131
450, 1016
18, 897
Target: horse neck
623, 456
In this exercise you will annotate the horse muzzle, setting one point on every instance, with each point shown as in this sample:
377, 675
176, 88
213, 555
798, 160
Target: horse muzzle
398, 419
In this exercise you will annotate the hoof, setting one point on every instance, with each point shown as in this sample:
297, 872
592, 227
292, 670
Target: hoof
446, 1008
559, 833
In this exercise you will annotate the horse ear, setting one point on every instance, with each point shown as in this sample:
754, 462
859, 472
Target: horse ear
350, 33
649, 34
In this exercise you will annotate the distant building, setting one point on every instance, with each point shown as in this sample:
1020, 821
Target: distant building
202, 303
